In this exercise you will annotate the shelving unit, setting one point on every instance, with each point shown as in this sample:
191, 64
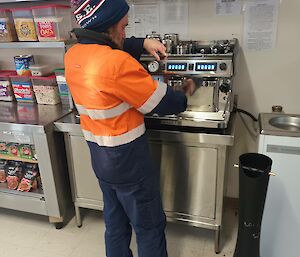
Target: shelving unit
54, 198
15, 158
18, 1
34, 126
22, 45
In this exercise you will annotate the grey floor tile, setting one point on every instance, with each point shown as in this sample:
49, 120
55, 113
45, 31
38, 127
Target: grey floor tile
19, 231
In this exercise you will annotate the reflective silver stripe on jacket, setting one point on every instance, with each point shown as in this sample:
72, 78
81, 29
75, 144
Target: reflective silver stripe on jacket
112, 141
95, 114
154, 99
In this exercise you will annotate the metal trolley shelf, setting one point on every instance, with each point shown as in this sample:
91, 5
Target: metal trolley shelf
36, 128
36, 193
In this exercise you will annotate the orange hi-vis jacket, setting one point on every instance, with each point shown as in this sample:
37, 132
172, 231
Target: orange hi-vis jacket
112, 92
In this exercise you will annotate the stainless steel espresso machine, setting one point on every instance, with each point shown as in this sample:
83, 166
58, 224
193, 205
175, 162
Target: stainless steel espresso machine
190, 148
211, 65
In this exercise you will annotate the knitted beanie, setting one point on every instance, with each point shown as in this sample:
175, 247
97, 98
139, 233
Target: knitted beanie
99, 15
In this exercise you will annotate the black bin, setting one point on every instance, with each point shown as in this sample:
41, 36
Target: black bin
254, 175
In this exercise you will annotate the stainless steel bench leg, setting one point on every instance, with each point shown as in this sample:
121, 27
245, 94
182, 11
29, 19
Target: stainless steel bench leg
78, 216
217, 240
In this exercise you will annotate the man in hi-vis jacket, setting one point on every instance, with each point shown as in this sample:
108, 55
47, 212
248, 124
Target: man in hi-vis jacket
112, 92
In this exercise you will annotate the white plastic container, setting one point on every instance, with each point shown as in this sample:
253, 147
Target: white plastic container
46, 89
52, 22
7, 28
24, 24
40, 70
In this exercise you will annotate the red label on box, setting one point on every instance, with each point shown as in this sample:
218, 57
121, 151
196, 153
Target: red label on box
46, 29
23, 91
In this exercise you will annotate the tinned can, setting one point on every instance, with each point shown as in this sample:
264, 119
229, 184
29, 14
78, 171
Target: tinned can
22, 63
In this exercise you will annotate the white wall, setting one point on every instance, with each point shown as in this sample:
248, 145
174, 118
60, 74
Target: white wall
263, 78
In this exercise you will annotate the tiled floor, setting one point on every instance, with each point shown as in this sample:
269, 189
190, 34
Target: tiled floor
28, 235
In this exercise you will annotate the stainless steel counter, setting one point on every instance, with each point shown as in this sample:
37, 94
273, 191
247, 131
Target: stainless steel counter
191, 161
30, 117
70, 124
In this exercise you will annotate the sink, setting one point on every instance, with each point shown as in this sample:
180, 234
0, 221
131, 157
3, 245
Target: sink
286, 122
280, 124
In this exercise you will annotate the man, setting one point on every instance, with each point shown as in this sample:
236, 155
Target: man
112, 92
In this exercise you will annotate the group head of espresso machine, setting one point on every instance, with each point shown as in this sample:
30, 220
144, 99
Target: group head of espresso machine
210, 64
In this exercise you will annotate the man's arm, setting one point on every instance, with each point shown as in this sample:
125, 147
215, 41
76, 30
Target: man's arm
136, 46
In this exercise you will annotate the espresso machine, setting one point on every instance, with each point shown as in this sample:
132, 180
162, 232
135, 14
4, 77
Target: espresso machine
211, 65
190, 148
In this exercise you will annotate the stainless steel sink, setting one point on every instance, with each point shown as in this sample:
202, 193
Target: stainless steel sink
286, 123
279, 124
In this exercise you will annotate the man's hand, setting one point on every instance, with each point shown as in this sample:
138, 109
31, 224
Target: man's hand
189, 86
153, 46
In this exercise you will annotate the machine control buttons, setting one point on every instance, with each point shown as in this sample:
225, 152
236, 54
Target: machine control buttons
153, 66
206, 66
224, 88
223, 66
177, 66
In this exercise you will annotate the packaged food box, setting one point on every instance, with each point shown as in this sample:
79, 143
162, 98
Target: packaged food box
3, 148
26, 151
46, 89
7, 28
61, 81
14, 174
6, 91
24, 24
29, 180
3, 171
64, 92
13, 149
52, 22
23, 89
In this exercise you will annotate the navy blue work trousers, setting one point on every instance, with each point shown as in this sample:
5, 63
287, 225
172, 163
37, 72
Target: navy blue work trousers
136, 206
130, 183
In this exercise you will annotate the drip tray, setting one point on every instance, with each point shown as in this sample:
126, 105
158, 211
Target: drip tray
193, 115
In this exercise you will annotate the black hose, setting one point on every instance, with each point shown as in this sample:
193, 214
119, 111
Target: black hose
245, 112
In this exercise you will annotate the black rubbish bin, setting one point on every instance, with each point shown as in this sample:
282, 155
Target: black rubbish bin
254, 175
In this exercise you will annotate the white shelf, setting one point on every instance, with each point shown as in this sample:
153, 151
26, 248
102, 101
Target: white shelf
21, 45
15, 1
23, 202
38, 193
15, 158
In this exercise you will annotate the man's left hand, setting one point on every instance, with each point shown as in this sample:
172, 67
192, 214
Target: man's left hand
153, 47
